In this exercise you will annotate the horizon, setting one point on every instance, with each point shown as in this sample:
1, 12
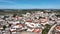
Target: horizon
29, 4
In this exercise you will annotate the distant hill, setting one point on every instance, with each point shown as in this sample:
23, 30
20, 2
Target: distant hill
20, 11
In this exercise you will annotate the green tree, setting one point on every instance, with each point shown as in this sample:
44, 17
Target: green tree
4, 27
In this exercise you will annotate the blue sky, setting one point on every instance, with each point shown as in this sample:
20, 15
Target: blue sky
29, 4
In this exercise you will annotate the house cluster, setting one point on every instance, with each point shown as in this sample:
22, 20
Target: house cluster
31, 22
56, 29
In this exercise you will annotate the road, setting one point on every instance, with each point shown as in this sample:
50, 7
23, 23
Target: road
51, 29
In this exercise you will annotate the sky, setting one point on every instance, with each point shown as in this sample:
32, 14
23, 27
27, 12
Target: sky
29, 4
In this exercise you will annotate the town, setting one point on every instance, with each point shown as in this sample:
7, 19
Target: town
38, 22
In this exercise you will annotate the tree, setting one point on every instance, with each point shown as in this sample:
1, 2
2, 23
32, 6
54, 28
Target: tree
4, 27
45, 31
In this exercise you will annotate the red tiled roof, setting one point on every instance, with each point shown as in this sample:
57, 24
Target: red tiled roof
58, 27
37, 30
20, 24
28, 20
14, 31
